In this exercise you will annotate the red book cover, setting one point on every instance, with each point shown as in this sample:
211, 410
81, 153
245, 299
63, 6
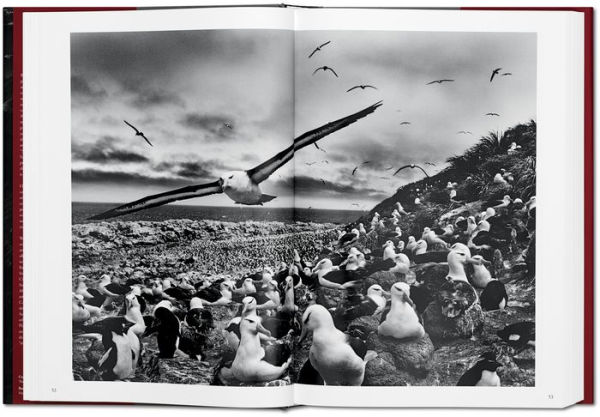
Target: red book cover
13, 198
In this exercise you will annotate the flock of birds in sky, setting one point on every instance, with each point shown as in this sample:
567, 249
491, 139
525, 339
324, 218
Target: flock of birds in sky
243, 186
465, 253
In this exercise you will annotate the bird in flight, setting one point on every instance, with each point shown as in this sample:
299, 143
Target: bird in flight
137, 132
323, 181
440, 81
494, 73
228, 125
321, 149
325, 68
310, 163
243, 187
492, 114
464, 132
362, 87
318, 48
504, 74
410, 166
430, 163
358, 166
404, 123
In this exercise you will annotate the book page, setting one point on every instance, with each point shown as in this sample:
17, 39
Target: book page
181, 125
188, 107
450, 171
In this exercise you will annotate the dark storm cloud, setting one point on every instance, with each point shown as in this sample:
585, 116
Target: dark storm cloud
213, 124
81, 88
105, 150
314, 187
190, 169
126, 56
146, 96
95, 176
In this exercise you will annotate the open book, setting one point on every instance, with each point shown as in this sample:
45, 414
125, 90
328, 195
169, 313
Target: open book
274, 206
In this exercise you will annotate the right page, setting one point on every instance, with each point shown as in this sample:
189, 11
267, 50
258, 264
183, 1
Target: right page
433, 283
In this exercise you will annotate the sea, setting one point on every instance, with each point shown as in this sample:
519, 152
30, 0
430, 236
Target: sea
81, 212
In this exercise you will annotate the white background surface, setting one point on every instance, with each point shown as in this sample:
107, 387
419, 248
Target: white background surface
155, 410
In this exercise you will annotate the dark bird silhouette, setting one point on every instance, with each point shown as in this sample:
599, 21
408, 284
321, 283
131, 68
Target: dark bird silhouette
464, 132
440, 81
430, 163
492, 114
242, 187
410, 166
228, 125
318, 48
321, 149
323, 181
358, 166
325, 68
494, 73
137, 132
404, 123
504, 74
362, 87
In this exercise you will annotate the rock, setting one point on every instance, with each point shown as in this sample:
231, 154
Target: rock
329, 297
381, 372
103, 232
441, 328
363, 326
525, 358
413, 356
432, 274
223, 313
178, 371
384, 278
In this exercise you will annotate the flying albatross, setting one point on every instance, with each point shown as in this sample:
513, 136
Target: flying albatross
137, 132
410, 166
241, 186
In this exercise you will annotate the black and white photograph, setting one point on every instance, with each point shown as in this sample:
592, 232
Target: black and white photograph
262, 207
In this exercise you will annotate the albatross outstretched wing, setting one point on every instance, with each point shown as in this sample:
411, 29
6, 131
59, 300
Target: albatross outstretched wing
131, 126
400, 169
424, 172
261, 172
184, 193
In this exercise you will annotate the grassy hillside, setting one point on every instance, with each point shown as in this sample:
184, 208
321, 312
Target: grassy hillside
474, 171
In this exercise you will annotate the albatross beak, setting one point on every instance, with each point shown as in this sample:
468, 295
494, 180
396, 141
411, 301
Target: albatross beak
261, 329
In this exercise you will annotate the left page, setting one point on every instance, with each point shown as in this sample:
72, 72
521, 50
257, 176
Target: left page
181, 128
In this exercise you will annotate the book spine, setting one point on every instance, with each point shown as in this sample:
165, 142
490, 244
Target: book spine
8, 322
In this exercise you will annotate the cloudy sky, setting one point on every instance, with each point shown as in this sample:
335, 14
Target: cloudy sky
182, 89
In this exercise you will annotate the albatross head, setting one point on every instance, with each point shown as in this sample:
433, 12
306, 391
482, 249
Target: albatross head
315, 317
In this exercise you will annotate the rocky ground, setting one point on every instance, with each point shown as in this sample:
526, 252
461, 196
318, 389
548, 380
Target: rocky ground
209, 249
